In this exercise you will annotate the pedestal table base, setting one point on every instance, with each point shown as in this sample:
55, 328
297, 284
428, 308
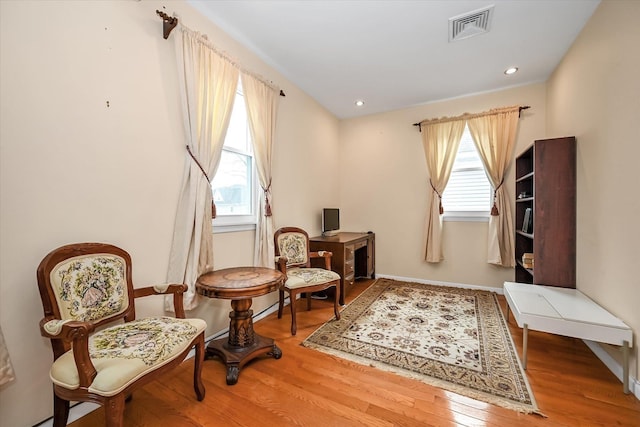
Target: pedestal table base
243, 344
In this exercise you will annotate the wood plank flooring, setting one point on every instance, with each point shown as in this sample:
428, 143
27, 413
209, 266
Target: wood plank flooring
309, 388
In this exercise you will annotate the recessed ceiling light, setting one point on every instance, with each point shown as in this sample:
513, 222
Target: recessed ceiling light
511, 70
359, 103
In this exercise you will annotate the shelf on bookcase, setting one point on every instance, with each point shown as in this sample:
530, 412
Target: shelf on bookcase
522, 233
523, 177
529, 270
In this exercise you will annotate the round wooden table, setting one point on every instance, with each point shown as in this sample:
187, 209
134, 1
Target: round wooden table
240, 285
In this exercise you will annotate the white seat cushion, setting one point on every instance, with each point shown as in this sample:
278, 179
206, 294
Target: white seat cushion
301, 277
124, 353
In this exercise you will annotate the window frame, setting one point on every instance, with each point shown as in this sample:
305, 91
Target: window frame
243, 222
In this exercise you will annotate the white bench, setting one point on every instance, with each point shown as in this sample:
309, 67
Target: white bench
566, 312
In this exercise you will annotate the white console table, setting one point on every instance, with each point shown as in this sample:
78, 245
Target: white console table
566, 312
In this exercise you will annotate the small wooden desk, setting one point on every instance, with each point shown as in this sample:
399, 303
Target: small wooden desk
240, 285
566, 312
354, 255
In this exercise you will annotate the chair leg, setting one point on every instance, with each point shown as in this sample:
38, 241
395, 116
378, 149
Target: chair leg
114, 411
309, 301
198, 385
281, 303
60, 411
292, 304
336, 302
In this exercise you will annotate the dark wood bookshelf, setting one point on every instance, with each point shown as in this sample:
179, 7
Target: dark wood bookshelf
546, 175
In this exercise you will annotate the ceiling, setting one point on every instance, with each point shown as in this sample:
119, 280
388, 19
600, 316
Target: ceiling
396, 54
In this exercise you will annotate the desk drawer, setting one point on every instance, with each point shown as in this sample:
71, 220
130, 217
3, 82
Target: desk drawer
349, 267
349, 250
360, 244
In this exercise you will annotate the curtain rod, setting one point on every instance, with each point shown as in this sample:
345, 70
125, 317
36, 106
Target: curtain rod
170, 22
467, 116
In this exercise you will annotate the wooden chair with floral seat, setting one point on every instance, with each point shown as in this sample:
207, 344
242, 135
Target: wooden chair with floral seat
293, 258
84, 288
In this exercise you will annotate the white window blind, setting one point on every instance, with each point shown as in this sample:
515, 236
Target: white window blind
468, 194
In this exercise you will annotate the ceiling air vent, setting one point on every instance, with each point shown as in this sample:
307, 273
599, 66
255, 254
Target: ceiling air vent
470, 24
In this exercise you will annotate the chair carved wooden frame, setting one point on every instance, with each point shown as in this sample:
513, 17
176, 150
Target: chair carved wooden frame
293, 258
83, 288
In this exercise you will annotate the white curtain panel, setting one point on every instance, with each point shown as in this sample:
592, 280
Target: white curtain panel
6, 368
208, 83
440, 140
262, 107
494, 134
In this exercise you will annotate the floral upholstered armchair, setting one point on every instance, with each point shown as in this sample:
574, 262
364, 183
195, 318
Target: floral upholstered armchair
293, 258
87, 293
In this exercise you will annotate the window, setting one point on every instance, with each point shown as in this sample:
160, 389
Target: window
234, 185
468, 196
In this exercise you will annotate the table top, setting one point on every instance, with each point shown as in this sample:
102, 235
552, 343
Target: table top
564, 303
239, 282
566, 312
341, 237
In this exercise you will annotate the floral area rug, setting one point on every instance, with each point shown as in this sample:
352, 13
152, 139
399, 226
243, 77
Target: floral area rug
452, 338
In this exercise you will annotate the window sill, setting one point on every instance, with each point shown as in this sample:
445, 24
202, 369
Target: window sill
466, 218
232, 228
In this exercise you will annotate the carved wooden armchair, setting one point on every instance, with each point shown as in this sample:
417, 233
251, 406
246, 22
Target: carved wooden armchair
84, 288
293, 258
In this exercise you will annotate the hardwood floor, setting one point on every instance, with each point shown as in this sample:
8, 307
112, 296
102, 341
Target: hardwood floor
309, 388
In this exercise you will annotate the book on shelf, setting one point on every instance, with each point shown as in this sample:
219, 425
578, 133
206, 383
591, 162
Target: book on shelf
527, 223
527, 260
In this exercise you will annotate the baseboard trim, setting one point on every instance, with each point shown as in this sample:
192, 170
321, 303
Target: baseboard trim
497, 290
614, 366
76, 412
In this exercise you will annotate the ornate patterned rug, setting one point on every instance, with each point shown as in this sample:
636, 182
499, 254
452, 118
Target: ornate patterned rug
452, 338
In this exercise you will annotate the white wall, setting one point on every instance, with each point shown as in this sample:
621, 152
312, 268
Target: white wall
74, 169
384, 187
594, 94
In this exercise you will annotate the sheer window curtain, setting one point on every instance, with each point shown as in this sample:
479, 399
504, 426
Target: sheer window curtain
208, 83
262, 106
494, 135
440, 141
7, 374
